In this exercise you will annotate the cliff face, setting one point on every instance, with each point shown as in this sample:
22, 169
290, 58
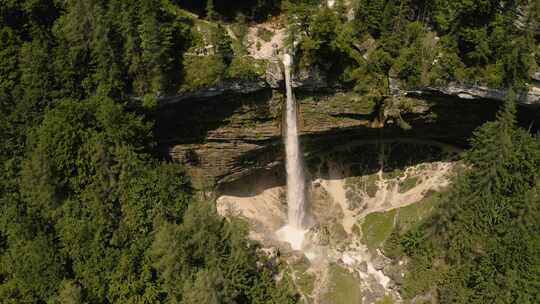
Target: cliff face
224, 133
531, 97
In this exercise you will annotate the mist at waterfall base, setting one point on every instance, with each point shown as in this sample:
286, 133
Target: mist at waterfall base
294, 231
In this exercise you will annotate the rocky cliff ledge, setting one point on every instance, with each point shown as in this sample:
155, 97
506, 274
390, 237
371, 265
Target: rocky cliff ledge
223, 138
222, 133
531, 97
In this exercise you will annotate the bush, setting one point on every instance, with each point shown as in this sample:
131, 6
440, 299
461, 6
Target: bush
246, 68
201, 71
240, 28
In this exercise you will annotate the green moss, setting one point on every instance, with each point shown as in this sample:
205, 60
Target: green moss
300, 265
343, 287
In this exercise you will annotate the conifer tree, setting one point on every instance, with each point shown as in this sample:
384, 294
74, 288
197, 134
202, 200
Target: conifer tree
210, 12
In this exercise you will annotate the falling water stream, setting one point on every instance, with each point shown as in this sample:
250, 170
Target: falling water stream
294, 231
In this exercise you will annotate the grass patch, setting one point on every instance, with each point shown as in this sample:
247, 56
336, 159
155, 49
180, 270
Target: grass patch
202, 71
407, 184
371, 185
337, 233
412, 215
305, 281
246, 68
343, 287
265, 34
377, 227
386, 300
393, 174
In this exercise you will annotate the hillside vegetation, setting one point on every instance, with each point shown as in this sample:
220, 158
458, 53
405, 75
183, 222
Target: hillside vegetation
90, 214
419, 42
87, 213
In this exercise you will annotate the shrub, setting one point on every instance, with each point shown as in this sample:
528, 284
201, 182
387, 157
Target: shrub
200, 71
245, 68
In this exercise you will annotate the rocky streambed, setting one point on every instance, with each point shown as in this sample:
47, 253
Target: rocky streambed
341, 254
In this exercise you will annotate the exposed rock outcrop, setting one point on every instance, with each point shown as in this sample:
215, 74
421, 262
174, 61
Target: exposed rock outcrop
231, 86
311, 79
274, 74
223, 138
532, 97
223, 132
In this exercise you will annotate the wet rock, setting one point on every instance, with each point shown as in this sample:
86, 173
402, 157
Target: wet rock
310, 79
269, 252
274, 74
379, 262
230, 86
395, 273
318, 235
224, 138
369, 298
323, 207
363, 267
375, 288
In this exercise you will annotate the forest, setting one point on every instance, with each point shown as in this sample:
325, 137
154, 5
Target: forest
91, 212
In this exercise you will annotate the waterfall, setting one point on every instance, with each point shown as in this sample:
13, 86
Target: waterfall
293, 232
295, 172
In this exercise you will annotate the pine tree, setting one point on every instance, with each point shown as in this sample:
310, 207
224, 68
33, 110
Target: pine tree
485, 228
210, 12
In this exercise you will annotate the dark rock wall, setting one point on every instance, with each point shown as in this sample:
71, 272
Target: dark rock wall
225, 137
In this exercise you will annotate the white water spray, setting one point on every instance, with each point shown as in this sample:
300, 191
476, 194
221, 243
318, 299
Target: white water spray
295, 172
293, 232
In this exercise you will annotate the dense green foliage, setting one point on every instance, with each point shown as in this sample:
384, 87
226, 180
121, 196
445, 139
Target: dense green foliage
87, 214
229, 10
420, 42
482, 245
